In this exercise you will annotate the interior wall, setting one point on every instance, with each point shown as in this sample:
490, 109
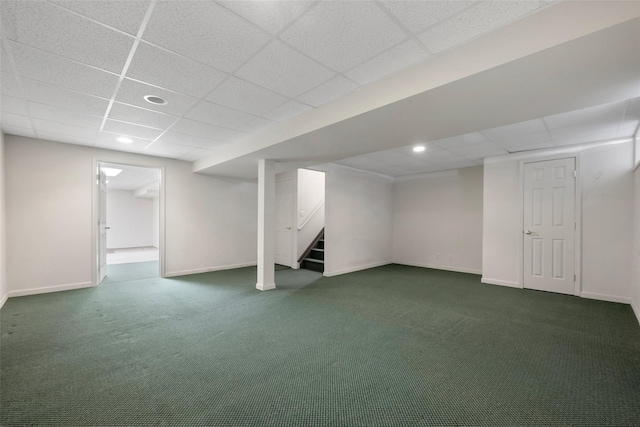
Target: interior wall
311, 211
607, 216
210, 222
437, 220
358, 220
155, 227
130, 220
4, 291
635, 294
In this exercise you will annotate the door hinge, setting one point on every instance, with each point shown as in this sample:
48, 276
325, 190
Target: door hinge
575, 173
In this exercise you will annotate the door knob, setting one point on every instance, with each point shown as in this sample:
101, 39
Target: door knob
528, 232
107, 228
288, 228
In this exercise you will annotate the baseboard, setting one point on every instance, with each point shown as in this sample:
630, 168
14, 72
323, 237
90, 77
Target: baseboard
4, 299
501, 283
603, 297
48, 289
209, 269
440, 267
262, 287
354, 269
636, 310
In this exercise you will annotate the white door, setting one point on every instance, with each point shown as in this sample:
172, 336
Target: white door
102, 226
284, 222
549, 226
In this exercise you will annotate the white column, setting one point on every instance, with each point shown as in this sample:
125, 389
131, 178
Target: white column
266, 224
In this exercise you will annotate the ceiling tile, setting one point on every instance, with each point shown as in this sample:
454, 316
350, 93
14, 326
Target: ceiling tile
167, 147
486, 153
515, 130
10, 85
172, 137
609, 114
335, 88
342, 35
397, 58
206, 32
64, 128
283, 70
218, 115
67, 139
205, 130
46, 26
61, 115
13, 105
272, 16
123, 15
460, 140
127, 129
480, 147
44, 93
18, 131
109, 140
475, 21
52, 69
162, 68
582, 134
287, 111
133, 93
9, 119
197, 154
417, 16
256, 125
141, 116
245, 96
514, 148
5, 65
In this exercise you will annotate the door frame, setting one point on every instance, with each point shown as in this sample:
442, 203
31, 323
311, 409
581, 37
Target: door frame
577, 212
293, 176
95, 198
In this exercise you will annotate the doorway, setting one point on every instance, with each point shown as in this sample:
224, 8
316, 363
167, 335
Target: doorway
129, 222
549, 226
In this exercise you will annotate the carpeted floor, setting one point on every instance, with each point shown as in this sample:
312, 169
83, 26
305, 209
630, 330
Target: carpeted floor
390, 346
131, 271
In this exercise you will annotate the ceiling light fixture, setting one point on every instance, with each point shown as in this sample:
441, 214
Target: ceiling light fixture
156, 100
419, 148
111, 171
124, 140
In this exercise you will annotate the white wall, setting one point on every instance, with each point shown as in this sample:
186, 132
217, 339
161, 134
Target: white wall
607, 218
437, 220
311, 193
635, 294
4, 291
358, 220
130, 220
155, 226
210, 222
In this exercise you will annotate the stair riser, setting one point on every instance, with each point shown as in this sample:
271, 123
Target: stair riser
313, 266
315, 254
320, 244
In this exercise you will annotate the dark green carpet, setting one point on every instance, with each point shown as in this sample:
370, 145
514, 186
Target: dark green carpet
132, 271
391, 346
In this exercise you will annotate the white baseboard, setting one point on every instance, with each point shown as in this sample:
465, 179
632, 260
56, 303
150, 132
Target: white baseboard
354, 269
267, 287
603, 297
4, 299
440, 267
47, 289
209, 269
636, 310
501, 283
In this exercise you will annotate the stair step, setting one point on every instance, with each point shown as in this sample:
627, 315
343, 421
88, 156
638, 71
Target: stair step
320, 261
316, 254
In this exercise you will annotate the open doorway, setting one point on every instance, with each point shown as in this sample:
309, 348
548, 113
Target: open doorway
129, 222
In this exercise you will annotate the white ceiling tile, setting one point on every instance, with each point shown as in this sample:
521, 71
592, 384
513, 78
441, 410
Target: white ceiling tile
67, 139
515, 148
460, 140
582, 134
109, 140
141, 116
151, 151
480, 147
242, 95
18, 131
272, 16
64, 128
632, 107
475, 21
342, 35
328, 91
5, 65
523, 139
397, 58
256, 125
219, 115
61, 115
609, 114
52, 69
46, 26
127, 129
162, 68
123, 15
417, 16
13, 105
10, 85
287, 111
206, 32
44, 93
205, 130
133, 93
509, 132
9, 119
173, 148
283, 70
486, 153
172, 137
386, 155
628, 131
196, 154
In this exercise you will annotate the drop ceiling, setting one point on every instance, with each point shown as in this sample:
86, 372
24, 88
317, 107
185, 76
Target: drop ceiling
77, 72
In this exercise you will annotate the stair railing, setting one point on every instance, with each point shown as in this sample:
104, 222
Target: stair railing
313, 243
308, 218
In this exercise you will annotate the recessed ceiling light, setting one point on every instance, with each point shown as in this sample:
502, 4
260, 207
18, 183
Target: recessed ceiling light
153, 99
124, 140
111, 171
419, 148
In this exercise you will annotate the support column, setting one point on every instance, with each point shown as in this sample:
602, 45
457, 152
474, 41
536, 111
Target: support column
266, 224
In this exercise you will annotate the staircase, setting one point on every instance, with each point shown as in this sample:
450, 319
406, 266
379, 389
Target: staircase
314, 257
